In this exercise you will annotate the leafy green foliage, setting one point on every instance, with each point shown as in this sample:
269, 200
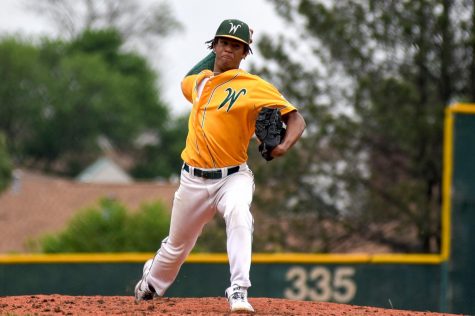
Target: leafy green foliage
60, 97
22, 76
110, 228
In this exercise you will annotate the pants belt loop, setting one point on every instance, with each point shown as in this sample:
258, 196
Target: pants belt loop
188, 168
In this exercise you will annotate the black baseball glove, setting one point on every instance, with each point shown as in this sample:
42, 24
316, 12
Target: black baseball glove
269, 130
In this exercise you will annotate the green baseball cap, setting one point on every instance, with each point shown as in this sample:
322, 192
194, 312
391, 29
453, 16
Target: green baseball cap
235, 29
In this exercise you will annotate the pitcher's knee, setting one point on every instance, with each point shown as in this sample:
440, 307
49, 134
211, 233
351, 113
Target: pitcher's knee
238, 215
173, 253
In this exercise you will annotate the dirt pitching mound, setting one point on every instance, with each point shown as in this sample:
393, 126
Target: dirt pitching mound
125, 305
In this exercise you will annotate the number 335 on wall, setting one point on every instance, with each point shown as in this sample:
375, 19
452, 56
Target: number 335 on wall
320, 284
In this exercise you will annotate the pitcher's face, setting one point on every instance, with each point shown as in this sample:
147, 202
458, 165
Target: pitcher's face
229, 54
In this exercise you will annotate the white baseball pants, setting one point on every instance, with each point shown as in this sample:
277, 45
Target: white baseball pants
196, 202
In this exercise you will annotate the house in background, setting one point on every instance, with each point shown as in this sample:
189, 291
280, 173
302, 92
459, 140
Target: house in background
104, 170
36, 204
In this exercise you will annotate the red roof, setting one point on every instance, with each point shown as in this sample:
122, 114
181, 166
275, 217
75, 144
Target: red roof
36, 204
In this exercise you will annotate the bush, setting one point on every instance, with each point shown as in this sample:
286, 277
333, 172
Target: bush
111, 228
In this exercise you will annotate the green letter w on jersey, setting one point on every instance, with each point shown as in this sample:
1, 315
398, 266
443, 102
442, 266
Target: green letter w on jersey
231, 98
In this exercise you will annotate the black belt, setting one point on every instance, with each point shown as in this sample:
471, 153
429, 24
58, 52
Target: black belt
214, 174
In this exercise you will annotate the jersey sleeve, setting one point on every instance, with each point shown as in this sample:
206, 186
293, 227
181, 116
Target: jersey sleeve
187, 83
206, 63
187, 87
266, 95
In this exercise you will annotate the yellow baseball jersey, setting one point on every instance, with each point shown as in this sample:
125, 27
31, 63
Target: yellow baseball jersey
223, 116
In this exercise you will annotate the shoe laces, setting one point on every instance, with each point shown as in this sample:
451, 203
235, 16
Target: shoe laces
239, 293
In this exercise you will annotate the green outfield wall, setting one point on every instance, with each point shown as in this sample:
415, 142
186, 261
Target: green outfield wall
414, 287
443, 282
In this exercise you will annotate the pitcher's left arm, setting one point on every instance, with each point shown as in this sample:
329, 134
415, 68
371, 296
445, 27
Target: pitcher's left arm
295, 127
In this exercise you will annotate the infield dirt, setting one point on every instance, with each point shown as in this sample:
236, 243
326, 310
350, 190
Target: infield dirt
125, 305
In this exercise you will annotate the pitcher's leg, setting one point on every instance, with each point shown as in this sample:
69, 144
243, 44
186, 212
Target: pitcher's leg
234, 205
239, 247
191, 211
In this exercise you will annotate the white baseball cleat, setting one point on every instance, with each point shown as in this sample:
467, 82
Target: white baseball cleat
237, 298
143, 291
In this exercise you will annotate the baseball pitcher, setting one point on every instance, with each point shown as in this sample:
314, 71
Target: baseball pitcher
215, 178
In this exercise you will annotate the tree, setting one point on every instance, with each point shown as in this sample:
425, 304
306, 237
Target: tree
139, 27
373, 79
5, 164
62, 96
22, 74
137, 23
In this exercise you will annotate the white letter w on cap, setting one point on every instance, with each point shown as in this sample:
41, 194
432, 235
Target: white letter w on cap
233, 27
